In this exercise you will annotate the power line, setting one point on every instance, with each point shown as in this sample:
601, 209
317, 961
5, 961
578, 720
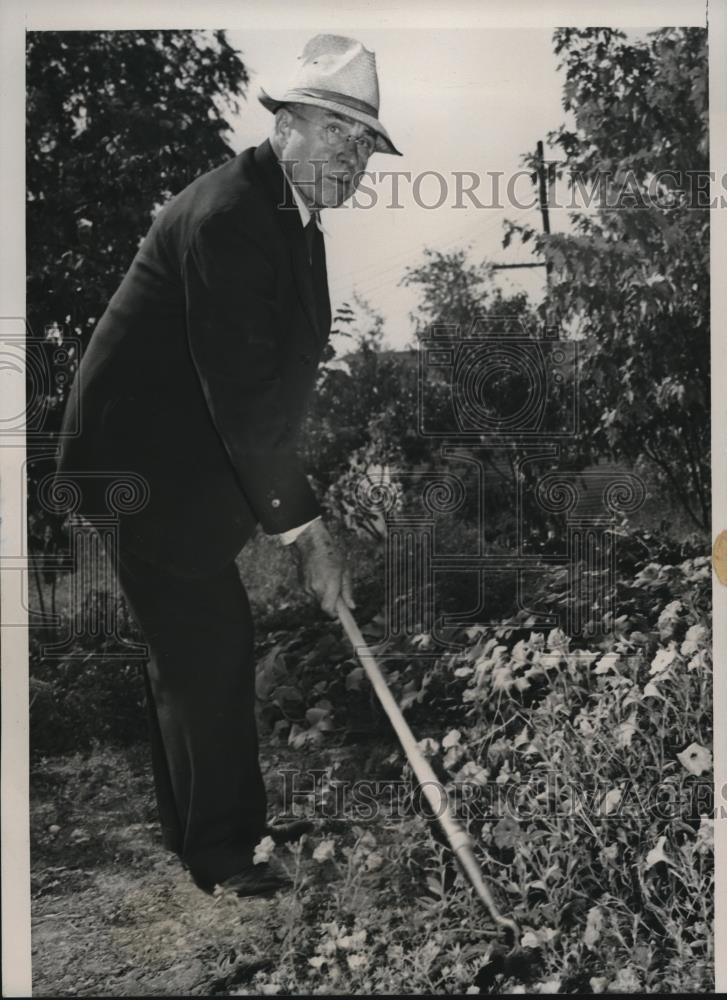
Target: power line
355, 274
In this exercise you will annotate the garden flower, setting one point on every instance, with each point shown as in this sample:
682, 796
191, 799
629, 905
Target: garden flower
507, 832
700, 659
656, 854
626, 730
473, 773
663, 659
356, 962
452, 756
598, 984
626, 981
349, 942
695, 759
557, 640
324, 851
669, 618
521, 652
648, 573
594, 926
696, 636
607, 662
705, 835
263, 851
611, 800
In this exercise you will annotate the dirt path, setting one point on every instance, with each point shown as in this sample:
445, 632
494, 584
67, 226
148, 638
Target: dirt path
113, 912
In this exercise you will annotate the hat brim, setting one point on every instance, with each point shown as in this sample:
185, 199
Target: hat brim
383, 142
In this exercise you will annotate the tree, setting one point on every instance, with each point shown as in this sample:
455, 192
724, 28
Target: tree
461, 295
117, 123
453, 289
357, 399
632, 279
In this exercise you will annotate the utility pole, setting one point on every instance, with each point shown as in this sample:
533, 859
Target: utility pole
543, 196
543, 188
541, 177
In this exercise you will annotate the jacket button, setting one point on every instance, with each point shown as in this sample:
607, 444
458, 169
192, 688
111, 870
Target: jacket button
275, 503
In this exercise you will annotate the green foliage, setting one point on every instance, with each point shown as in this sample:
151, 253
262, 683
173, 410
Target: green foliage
456, 291
683, 573
364, 401
365, 419
632, 280
583, 776
117, 123
593, 754
581, 770
84, 698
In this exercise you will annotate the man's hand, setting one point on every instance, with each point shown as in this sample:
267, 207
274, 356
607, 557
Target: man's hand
322, 567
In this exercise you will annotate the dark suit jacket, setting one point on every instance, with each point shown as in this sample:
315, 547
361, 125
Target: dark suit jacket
198, 373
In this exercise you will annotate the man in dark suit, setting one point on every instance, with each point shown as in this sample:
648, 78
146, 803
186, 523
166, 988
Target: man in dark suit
196, 379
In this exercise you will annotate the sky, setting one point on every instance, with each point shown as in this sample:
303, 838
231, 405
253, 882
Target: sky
452, 101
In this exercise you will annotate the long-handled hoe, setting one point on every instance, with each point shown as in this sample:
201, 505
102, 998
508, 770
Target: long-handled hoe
459, 840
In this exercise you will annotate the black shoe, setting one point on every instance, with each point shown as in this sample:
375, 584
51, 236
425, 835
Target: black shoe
287, 833
256, 880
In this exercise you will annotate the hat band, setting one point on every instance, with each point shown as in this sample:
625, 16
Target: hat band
332, 95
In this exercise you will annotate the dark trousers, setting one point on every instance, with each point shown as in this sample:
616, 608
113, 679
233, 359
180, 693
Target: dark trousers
200, 684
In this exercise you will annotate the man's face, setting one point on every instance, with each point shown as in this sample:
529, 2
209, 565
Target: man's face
324, 154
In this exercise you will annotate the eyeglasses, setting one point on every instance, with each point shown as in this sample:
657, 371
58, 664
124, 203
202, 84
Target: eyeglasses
365, 144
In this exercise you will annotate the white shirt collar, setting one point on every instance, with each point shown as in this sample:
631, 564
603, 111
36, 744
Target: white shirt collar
303, 209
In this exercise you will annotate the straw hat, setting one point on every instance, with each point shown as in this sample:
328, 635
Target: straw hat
338, 74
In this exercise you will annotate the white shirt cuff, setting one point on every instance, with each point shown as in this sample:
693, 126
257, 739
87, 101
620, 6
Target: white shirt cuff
288, 537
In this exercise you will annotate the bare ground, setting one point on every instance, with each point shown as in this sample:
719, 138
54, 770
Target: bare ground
113, 913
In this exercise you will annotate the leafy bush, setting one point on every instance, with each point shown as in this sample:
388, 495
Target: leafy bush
583, 776
83, 697
632, 276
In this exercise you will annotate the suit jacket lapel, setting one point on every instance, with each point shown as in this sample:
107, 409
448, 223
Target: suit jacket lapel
326, 303
288, 217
